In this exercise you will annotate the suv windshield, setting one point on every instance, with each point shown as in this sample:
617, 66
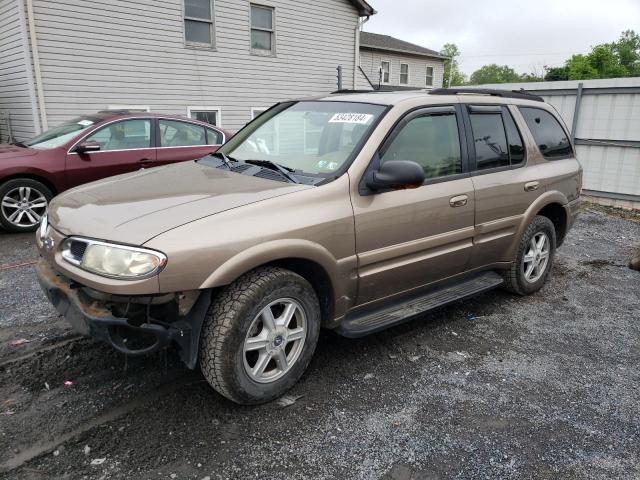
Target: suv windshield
315, 137
61, 134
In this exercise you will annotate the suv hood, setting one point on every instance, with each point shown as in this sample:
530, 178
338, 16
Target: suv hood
135, 207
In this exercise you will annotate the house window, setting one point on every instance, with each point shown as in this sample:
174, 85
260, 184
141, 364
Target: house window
255, 111
262, 29
130, 108
205, 114
429, 77
404, 74
385, 68
198, 22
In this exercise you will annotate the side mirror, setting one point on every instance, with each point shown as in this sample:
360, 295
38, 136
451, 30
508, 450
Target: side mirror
397, 174
88, 147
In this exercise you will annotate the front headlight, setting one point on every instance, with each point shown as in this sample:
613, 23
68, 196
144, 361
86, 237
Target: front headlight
110, 260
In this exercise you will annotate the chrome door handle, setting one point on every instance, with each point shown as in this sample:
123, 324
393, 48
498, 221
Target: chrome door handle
458, 201
531, 186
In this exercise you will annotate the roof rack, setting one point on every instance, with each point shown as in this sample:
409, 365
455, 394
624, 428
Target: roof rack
522, 94
348, 90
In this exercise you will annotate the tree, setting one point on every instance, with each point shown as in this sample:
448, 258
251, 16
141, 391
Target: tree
608, 60
451, 65
494, 74
556, 73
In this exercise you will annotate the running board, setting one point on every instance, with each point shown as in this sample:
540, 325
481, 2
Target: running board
361, 324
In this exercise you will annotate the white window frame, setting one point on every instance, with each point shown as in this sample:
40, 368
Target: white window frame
260, 51
401, 82
211, 23
256, 109
382, 62
427, 76
136, 108
218, 111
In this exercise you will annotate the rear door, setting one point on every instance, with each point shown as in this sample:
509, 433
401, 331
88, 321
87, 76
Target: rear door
179, 141
125, 146
505, 184
409, 238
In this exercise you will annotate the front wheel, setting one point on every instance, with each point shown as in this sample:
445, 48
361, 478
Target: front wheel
532, 264
259, 335
23, 201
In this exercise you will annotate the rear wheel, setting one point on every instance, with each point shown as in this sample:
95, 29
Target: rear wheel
259, 335
532, 264
23, 201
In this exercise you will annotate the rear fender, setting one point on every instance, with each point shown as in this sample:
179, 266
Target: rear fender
542, 201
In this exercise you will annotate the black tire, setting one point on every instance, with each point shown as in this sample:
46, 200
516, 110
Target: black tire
5, 212
222, 358
514, 278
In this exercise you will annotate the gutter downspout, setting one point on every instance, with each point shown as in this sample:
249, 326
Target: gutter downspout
36, 65
356, 64
27, 65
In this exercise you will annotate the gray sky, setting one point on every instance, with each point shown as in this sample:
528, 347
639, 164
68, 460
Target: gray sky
525, 34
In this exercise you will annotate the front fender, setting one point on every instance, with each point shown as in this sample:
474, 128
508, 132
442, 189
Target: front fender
340, 272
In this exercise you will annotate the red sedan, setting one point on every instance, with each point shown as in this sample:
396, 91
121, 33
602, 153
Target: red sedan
89, 148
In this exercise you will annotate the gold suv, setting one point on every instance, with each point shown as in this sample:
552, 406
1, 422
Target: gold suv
354, 212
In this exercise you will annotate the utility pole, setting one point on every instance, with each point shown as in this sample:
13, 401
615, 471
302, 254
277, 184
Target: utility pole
451, 64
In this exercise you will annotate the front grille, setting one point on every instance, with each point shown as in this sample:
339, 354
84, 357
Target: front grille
73, 250
77, 249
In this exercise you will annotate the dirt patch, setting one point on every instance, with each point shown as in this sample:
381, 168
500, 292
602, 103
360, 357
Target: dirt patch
625, 214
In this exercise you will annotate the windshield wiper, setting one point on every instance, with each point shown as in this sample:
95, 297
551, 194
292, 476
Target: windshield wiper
286, 171
225, 158
18, 144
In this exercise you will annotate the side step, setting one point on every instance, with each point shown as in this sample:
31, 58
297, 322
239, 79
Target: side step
370, 321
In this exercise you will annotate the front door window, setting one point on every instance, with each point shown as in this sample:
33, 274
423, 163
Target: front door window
432, 142
125, 135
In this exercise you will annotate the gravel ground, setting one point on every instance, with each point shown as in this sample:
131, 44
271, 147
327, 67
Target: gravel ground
500, 386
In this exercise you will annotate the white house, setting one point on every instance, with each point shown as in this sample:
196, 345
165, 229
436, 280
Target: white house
393, 64
218, 60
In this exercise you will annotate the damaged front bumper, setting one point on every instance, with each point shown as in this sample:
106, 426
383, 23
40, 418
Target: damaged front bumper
134, 325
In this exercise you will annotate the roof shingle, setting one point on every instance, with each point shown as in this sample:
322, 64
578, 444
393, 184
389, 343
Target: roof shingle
391, 44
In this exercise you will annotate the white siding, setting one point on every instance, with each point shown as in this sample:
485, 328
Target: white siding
370, 61
94, 54
15, 98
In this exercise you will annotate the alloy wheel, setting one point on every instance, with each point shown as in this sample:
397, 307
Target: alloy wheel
536, 259
275, 340
23, 207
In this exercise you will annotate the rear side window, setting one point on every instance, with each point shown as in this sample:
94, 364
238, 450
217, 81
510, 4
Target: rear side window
490, 140
551, 138
431, 141
180, 134
214, 137
516, 145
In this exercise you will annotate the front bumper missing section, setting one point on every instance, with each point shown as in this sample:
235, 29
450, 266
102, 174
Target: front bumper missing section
93, 318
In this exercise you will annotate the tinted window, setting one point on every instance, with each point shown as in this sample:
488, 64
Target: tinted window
123, 135
180, 134
516, 146
431, 141
490, 140
551, 138
214, 137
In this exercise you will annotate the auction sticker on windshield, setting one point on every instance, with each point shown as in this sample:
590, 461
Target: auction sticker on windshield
362, 118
